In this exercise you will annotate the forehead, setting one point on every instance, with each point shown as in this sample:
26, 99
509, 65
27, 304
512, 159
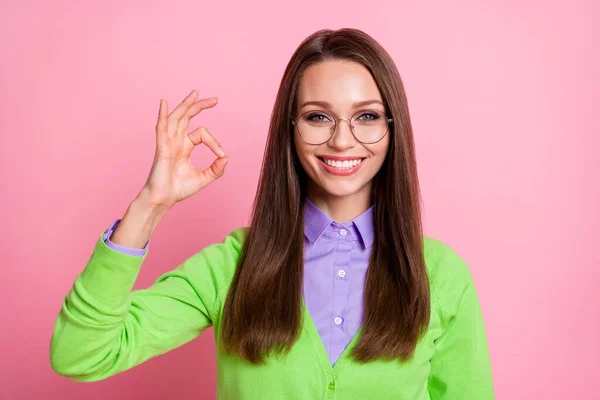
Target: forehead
338, 82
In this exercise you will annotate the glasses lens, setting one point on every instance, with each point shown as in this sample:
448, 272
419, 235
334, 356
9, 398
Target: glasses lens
316, 126
369, 125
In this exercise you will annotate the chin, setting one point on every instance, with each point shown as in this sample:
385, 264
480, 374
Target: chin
340, 189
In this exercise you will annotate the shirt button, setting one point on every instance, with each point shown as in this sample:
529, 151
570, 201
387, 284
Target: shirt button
337, 321
341, 273
343, 232
331, 385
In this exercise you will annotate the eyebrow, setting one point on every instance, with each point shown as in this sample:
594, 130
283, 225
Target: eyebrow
325, 104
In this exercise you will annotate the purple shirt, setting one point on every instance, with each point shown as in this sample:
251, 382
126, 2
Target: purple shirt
336, 258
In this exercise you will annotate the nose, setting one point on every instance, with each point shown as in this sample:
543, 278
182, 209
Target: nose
342, 138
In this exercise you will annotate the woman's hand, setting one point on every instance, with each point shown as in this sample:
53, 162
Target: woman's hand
173, 178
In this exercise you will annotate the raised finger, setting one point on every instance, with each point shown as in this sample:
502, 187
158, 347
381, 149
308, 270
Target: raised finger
180, 110
200, 105
202, 135
161, 123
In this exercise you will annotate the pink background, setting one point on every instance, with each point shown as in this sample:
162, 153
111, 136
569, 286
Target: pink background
503, 96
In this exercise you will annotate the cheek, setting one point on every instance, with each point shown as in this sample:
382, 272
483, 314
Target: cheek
304, 154
383, 149
382, 156
380, 151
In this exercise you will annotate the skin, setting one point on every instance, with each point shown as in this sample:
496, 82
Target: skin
340, 83
173, 178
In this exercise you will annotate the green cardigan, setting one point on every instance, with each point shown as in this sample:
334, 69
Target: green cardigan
104, 328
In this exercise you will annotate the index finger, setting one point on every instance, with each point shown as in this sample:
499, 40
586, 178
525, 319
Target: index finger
202, 135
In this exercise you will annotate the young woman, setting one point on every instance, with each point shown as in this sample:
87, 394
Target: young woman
331, 292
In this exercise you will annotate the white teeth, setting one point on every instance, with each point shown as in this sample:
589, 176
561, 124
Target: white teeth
343, 164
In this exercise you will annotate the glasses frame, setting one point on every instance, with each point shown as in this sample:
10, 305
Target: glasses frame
335, 120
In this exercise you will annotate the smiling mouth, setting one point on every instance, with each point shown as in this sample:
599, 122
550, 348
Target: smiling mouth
342, 165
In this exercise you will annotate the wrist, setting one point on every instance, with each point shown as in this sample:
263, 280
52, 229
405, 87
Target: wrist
146, 203
139, 222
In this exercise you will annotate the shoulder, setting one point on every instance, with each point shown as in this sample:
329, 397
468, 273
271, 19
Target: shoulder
234, 241
223, 256
448, 273
211, 269
443, 262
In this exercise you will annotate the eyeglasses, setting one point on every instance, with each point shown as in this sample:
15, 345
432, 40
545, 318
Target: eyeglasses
317, 127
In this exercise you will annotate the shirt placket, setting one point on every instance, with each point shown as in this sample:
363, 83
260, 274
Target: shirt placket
341, 287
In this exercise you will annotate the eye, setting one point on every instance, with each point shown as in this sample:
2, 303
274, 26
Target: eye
368, 116
318, 117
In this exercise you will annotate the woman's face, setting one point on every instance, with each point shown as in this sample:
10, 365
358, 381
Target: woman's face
340, 84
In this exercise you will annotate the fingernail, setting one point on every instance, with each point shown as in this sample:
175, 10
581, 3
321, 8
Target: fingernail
212, 98
221, 152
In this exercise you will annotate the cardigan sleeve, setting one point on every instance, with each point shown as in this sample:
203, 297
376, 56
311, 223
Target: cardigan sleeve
123, 249
104, 327
460, 367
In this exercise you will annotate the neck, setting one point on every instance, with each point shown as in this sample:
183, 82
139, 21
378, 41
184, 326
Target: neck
340, 208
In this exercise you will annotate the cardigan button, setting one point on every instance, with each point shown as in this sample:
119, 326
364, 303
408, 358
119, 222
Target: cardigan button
331, 385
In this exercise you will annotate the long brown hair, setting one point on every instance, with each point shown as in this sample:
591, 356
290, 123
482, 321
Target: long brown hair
262, 312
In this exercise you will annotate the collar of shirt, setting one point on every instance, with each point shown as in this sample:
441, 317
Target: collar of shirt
316, 223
